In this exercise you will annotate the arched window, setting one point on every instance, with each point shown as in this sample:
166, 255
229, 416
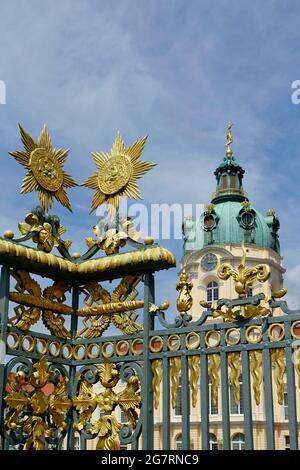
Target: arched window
238, 441
212, 291
213, 443
178, 442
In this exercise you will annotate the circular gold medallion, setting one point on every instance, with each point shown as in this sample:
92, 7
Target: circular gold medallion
46, 170
115, 174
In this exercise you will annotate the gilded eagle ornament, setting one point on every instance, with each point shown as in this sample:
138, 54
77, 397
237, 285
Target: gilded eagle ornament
44, 165
117, 174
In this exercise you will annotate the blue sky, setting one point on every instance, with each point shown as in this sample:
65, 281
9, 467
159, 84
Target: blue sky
176, 70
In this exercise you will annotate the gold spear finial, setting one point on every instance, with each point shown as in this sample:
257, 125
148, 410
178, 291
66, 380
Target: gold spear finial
229, 141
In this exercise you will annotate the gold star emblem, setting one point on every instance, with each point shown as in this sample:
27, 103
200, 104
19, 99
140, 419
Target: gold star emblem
118, 173
44, 166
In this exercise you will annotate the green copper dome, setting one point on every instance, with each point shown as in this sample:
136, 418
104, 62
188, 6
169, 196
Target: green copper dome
229, 218
229, 229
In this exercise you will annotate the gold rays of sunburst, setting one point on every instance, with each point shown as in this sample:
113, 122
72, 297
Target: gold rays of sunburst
117, 173
44, 165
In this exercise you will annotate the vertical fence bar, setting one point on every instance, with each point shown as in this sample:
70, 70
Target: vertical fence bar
147, 389
204, 395
71, 414
291, 391
166, 404
268, 391
4, 303
135, 444
185, 400
82, 443
225, 395
246, 387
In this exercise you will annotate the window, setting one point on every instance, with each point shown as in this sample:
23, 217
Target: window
287, 443
209, 222
212, 291
247, 219
213, 443
213, 409
250, 291
285, 406
178, 442
178, 405
238, 441
224, 181
234, 408
232, 181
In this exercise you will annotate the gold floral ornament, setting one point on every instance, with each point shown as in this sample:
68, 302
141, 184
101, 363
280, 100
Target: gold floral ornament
101, 309
109, 238
44, 165
184, 301
243, 276
43, 233
246, 205
107, 426
117, 173
33, 413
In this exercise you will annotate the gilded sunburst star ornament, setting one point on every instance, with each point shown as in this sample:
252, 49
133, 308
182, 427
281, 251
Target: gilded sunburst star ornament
117, 173
44, 165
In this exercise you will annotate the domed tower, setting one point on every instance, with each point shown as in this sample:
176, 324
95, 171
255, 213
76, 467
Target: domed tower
217, 235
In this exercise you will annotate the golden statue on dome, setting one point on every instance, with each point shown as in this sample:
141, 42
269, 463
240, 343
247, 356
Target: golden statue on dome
229, 140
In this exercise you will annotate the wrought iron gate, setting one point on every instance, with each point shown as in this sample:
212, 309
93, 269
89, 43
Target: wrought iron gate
48, 380
99, 359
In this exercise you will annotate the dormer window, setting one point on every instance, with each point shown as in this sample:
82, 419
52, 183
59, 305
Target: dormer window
247, 219
209, 222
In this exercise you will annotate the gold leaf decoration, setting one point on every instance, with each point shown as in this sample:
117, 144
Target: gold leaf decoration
175, 363
213, 372
156, 381
55, 323
278, 361
107, 427
65, 267
243, 276
25, 317
117, 174
17, 400
45, 173
45, 414
194, 367
185, 300
256, 358
234, 362
126, 289
43, 233
297, 364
